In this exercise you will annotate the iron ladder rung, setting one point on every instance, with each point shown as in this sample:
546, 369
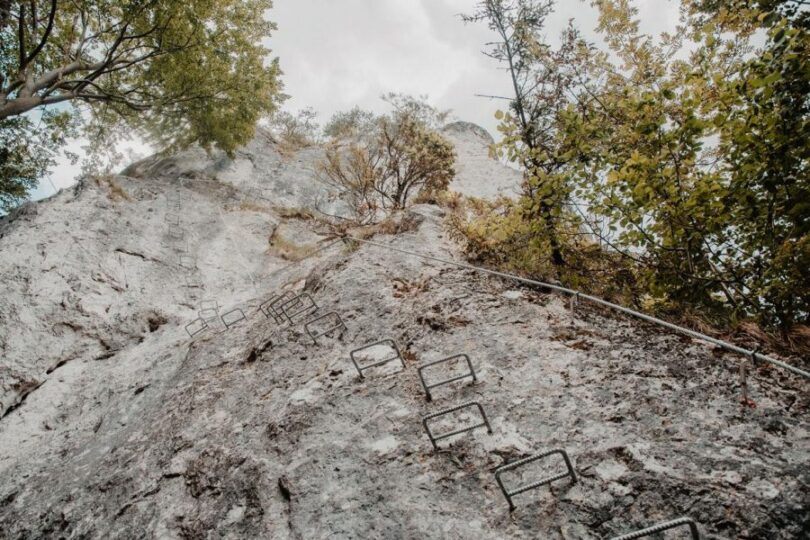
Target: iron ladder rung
453, 379
460, 431
528, 487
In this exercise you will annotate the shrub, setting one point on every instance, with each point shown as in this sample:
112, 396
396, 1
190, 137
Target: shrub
400, 159
295, 131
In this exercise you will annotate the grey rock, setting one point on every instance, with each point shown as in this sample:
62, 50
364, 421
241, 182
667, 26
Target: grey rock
116, 425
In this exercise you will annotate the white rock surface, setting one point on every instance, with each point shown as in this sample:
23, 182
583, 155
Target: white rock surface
114, 424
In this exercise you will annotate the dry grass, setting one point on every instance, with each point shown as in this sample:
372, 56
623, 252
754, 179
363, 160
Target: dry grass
303, 214
289, 251
397, 224
288, 149
116, 192
252, 207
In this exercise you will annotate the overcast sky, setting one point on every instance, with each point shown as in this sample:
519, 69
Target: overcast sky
336, 54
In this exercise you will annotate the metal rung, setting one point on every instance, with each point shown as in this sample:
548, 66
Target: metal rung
516, 464
176, 233
693, 529
196, 327
173, 219
427, 387
194, 282
209, 310
229, 321
208, 315
269, 308
433, 438
303, 304
459, 431
528, 487
338, 324
210, 304
187, 262
390, 342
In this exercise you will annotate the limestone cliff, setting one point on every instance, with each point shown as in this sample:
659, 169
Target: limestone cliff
116, 424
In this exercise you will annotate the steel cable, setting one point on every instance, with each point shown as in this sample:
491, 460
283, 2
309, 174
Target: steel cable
754, 355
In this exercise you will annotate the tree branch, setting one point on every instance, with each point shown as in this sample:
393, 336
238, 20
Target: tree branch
44, 40
21, 36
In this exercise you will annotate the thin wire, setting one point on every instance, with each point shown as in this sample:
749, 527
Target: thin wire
722, 344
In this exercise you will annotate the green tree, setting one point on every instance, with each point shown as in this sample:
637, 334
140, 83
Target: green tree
353, 124
692, 147
762, 115
176, 72
297, 130
27, 152
388, 160
545, 81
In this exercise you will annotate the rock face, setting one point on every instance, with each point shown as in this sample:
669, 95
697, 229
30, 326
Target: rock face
115, 424
477, 175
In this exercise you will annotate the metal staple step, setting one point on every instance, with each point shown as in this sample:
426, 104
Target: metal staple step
693, 529
238, 316
436, 438
353, 355
196, 327
428, 387
303, 304
521, 462
308, 326
270, 307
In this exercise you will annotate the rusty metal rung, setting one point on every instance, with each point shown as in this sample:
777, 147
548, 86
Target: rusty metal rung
339, 324
201, 327
427, 386
434, 438
303, 304
389, 342
231, 321
176, 233
693, 529
526, 487
269, 307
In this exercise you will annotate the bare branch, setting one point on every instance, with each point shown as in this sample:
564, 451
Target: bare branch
494, 97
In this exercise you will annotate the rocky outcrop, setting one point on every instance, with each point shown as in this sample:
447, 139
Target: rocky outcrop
477, 174
118, 425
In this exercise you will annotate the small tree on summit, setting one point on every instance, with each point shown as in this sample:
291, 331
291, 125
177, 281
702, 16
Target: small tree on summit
386, 161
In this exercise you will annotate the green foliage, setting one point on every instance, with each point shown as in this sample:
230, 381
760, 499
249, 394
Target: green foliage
353, 124
698, 167
27, 152
175, 72
417, 109
545, 82
387, 161
295, 131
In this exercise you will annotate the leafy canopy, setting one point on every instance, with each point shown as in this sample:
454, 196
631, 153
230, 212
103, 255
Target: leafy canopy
383, 163
176, 72
686, 155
